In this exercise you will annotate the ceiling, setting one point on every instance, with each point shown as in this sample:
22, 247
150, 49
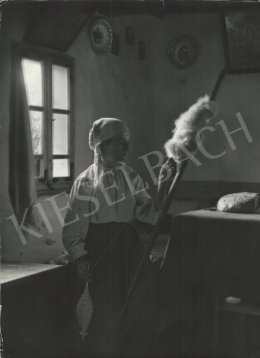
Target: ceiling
55, 24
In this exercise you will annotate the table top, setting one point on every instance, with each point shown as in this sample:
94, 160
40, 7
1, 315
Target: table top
16, 273
212, 213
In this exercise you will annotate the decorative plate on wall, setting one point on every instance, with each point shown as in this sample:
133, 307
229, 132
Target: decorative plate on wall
101, 37
182, 52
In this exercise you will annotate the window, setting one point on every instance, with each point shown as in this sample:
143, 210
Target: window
48, 81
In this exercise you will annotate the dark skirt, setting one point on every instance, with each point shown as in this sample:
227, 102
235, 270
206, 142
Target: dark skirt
114, 252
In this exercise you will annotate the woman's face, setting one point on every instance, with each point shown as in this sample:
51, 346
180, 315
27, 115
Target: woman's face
115, 149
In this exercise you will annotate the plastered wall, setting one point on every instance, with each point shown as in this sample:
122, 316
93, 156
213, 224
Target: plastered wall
173, 91
148, 95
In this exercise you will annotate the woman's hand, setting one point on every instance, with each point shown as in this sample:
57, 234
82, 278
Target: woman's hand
167, 171
83, 269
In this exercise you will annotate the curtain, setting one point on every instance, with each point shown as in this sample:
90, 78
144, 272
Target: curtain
22, 189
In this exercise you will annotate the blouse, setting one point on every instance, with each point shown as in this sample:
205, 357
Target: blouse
120, 196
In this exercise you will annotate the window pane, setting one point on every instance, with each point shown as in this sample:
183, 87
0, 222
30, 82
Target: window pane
36, 121
60, 135
60, 87
60, 168
33, 81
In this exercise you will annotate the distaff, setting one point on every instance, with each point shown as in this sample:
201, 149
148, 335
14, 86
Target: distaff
182, 142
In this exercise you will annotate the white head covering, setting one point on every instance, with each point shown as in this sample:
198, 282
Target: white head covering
102, 130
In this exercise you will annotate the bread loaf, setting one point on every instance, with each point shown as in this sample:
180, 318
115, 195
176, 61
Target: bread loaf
239, 203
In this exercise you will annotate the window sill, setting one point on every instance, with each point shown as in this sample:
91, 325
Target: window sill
53, 191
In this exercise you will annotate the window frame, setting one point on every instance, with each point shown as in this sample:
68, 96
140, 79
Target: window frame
47, 184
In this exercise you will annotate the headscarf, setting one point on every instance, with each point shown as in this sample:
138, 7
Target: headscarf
102, 130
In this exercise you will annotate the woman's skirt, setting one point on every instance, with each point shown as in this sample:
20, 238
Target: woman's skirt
114, 252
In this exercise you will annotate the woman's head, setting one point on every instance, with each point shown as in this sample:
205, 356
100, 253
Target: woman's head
109, 137
115, 149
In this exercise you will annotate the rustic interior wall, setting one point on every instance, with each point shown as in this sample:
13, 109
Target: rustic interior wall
148, 95
174, 91
113, 86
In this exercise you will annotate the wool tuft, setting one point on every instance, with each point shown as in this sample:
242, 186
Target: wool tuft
187, 127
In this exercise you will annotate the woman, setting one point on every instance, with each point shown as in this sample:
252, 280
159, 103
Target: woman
106, 248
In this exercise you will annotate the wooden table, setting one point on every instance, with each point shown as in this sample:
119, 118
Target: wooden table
211, 257
32, 309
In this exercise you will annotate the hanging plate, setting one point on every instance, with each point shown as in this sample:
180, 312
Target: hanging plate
182, 53
101, 37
